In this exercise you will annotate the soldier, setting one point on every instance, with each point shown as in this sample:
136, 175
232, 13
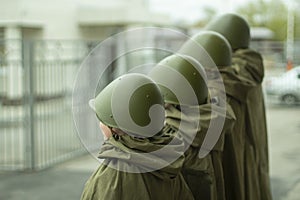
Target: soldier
219, 50
191, 115
249, 65
140, 162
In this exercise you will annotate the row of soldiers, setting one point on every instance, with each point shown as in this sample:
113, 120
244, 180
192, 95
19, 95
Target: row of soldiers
193, 128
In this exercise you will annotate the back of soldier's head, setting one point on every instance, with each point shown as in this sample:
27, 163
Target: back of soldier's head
233, 27
132, 103
182, 80
216, 47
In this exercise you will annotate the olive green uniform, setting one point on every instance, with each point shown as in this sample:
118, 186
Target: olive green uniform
250, 65
252, 181
124, 153
143, 162
203, 175
234, 155
191, 116
216, 53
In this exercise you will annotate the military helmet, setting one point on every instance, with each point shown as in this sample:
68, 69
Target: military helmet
132, 103
181, 79
233, 27
215, 47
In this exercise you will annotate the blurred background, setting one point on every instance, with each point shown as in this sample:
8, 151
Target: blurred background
43, 44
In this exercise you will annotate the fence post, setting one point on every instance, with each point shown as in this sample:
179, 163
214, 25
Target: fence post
29, 120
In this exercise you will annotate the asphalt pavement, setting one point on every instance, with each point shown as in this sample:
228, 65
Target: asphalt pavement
62, 182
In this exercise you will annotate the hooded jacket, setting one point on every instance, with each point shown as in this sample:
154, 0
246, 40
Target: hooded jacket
250, 65
136, 168
237, 89
203, 175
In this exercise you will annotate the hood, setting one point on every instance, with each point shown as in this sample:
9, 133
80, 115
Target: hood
236, 84
161, 155
185, 121
250, 63
210, 115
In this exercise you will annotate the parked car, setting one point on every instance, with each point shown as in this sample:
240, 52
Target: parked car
286, 87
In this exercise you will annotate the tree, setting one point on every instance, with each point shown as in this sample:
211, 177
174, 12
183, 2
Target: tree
271, 14
208, 14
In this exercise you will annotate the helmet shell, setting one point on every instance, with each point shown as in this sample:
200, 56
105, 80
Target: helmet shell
234, 28
216, 49
133, 103
172, 70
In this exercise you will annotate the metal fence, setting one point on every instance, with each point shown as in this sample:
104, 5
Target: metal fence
36, 123
37, 128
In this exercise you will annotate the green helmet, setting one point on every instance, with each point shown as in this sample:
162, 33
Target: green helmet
214, 44
181, 80
133, 103
234, 28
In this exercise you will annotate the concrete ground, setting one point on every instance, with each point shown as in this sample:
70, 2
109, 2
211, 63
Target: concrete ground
63, 182
66, 181
284, 138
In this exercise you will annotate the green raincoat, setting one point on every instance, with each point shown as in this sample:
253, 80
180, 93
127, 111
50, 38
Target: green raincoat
128, 173
234, 155
250, 65
203, 175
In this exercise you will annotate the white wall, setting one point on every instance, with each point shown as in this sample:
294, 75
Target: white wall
59, 18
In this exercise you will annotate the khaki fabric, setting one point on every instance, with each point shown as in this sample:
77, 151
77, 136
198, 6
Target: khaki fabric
237, 88
249, 64
203, 175
129, 170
